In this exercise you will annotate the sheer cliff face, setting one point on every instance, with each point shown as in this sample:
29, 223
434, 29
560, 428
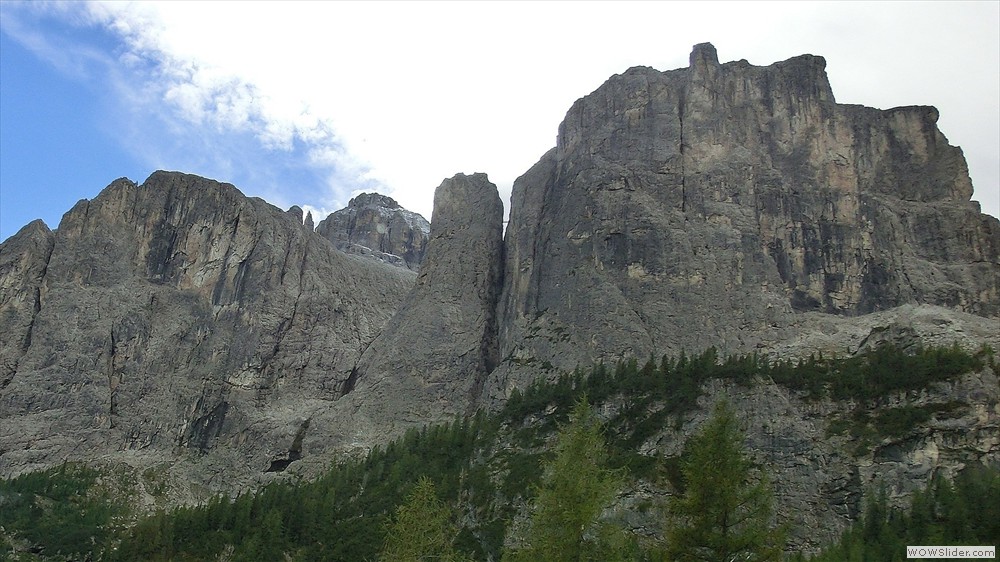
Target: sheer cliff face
177, 313
709, 205
432, 359
375, 225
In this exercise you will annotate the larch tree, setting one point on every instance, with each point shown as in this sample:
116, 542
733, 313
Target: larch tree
724, 514
421, 529
576, 487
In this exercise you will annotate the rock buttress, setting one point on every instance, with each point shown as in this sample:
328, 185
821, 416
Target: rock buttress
431, 360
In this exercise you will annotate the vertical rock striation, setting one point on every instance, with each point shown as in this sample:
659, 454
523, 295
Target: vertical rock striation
712, 205
431, 360
23, 261
177, 314
719, 204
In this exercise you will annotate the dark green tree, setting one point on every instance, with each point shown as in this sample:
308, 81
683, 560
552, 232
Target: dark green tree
576, 487
724, 513
421, 529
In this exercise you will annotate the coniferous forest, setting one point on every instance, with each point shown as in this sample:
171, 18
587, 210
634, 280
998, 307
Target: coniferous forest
536, 480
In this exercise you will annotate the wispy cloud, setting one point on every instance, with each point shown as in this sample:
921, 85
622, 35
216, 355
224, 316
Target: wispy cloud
179, 108
310, 102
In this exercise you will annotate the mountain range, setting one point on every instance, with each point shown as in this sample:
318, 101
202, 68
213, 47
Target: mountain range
177, 324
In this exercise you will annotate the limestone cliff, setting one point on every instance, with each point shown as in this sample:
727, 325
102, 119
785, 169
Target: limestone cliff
178, 315
23, 261
821, 475
715, 204
376, 225
433, 357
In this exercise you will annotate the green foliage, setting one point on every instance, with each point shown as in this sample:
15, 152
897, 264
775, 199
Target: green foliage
723, 514
342, 515
963, 512
658, 392
575, 489
877, 372
421, 529
864, 428
66, 511
481, 467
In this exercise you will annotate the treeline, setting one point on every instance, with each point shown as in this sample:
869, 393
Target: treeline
677, 382
662, 392
962, 512
340, 516
65, 512
480, 468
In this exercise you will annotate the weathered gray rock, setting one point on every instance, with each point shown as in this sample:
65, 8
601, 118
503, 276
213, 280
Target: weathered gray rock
822, 478
377, 226
714, 204
23, 261
177, 318
431, 360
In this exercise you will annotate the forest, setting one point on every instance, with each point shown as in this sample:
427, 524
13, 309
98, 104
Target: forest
537, 480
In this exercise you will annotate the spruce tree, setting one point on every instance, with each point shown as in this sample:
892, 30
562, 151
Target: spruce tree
576, 487
723, 514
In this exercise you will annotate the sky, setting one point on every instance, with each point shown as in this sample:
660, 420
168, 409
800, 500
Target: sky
311, 103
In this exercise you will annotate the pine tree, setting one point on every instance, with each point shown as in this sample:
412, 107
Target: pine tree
421, 529
576, 488
723, 515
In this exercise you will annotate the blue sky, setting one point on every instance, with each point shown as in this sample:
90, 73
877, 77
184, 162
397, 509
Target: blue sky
310, 103
53, 149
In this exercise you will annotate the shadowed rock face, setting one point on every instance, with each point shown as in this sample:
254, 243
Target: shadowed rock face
376, 226
711, 205
177, 313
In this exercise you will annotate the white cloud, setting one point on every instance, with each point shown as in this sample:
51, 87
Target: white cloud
398, 96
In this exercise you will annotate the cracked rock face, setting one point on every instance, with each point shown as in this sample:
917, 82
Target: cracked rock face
714, 204
431, 360
23, 262
375, 225
177, 315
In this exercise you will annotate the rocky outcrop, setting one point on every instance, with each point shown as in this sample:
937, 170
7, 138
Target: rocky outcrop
174, 319
24, 259
715, 204
376, 226
307, 221
822, 476
431, 360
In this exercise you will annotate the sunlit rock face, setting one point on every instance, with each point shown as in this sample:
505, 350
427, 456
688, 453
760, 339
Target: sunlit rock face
715, 204
377, 226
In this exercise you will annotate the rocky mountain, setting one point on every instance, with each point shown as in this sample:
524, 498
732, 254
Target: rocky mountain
375, 225
739, 207
724, 204
179, 325
174, 319
432, 359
